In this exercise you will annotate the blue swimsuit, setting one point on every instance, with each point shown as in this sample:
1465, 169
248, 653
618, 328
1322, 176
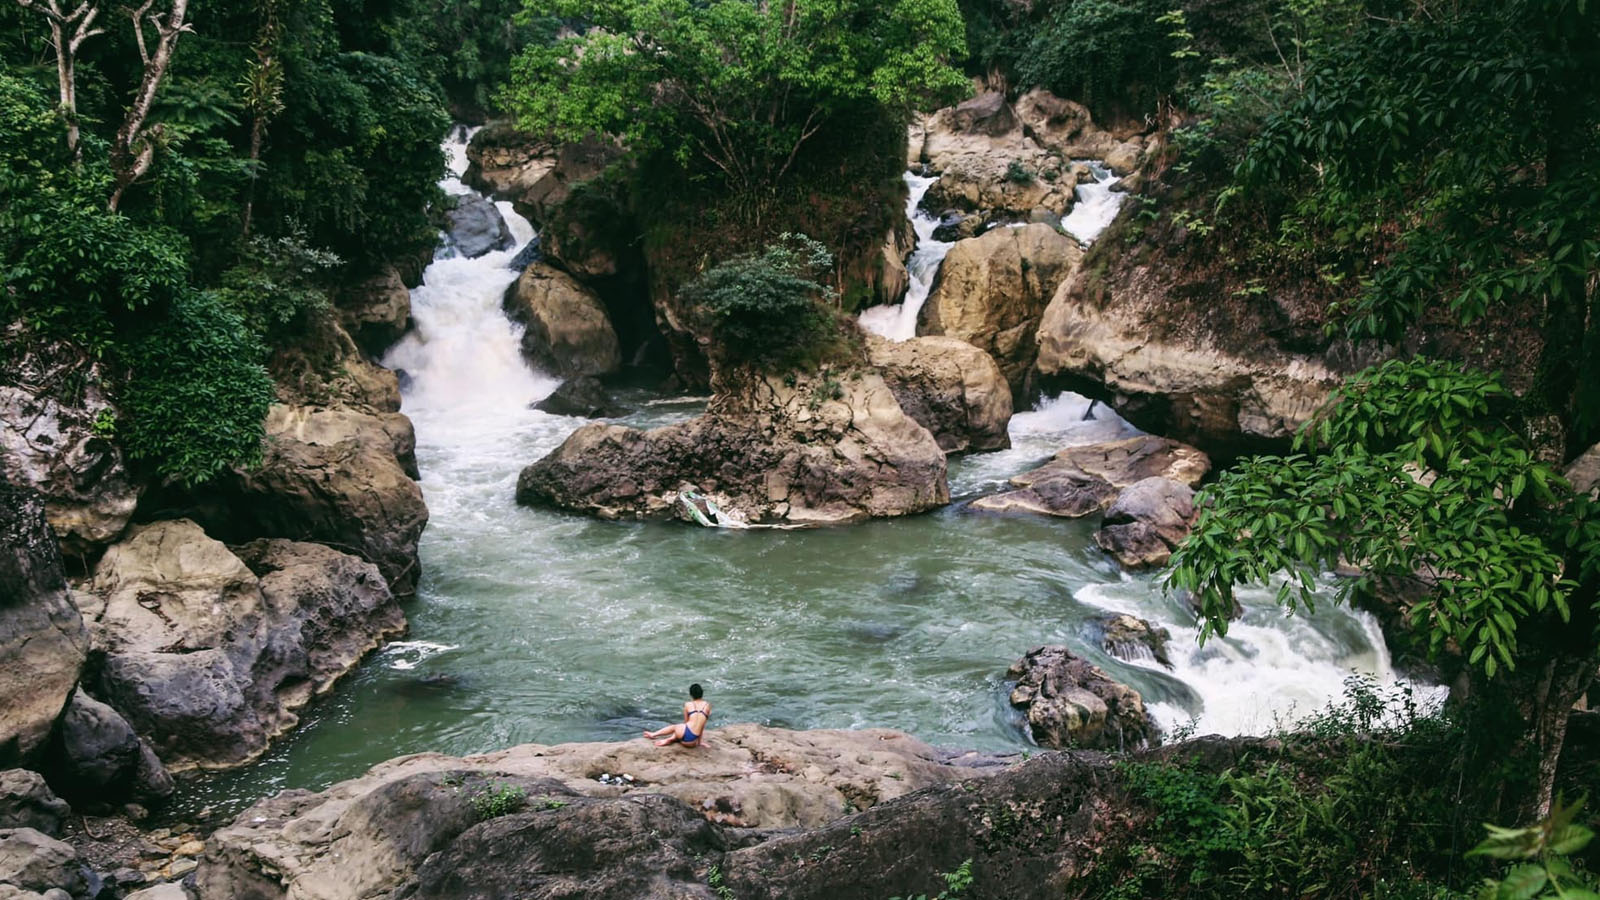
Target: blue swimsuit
689, 737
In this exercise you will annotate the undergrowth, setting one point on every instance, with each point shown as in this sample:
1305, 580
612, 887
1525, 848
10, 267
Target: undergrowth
1374, 797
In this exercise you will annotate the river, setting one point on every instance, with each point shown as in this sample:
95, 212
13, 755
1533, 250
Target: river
535, 625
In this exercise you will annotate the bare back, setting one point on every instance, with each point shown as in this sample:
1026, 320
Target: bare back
696, 713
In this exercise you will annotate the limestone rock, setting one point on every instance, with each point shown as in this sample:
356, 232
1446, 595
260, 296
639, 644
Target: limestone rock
1055, 123
583, 396
377, 311
1124, 158
1583, 473
54, 413
1070, 703
1147, 522
1133, 639
1083, 480
981, 153
533, 174
209, 659
405, 826
474, 227
828, 448
328, 369
993, 289
567, 330
26, 802
1215, 383
37, 862
101, 762
43, 643
949, 387
335, 475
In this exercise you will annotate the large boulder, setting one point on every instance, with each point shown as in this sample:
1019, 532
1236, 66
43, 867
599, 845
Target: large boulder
26, 802
949, 387
43, 643
37, 862
338, 476
1583, 473
408, 828
1220, 373
827, 448
534, 174
1147, 521
1086, 479
209, 659
1072, 703
56, 426
993, 289
583, 396
473, 227
988, 165
566, 329
376, 311
1134, 639
100, 761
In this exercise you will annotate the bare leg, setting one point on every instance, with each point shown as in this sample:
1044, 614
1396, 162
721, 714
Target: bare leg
652, 735
677, 735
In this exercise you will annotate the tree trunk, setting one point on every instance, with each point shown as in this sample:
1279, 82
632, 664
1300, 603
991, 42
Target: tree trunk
1569, 680
134, 149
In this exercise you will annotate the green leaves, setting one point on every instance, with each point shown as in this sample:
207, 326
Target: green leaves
734, 86
767, 309
1545, 843
1408, 475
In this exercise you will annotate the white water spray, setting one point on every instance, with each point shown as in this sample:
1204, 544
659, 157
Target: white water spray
898, 321
1096, 204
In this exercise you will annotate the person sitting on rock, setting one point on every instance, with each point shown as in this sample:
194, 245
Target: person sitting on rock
696, 713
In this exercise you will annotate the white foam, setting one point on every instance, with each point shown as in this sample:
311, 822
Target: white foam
1096, 205
405, 655
898, 321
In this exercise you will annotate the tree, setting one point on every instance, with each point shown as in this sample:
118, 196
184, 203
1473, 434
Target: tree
69, 28
767, 309
135, 145
732, 84
1415, 472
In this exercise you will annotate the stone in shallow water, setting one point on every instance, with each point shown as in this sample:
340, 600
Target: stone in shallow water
1147, 522
1133, 639
476, 227
1071, 703
1083, 480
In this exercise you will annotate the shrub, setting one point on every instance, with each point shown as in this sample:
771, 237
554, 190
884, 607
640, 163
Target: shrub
500, 800
1017, 173
278, 286
767, 309
197, 395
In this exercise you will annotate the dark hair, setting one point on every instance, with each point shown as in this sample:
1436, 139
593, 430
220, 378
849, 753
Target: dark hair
695, 692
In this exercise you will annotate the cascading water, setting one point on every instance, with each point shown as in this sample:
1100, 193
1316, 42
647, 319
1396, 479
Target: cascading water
534, 625
1096, 204
898, 321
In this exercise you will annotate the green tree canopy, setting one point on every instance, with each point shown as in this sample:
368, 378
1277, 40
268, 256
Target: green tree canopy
735, 85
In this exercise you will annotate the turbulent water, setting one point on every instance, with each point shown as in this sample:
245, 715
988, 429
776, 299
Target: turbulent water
1096, 204
533, 625
898, 321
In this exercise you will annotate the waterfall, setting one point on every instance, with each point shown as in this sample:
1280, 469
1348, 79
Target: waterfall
898, 321
1096, 204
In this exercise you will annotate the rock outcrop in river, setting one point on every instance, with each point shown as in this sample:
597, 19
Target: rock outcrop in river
208, 652
421, 826
1071, 703
949, 387
820, 449
992, 291
1086, 479
566, 329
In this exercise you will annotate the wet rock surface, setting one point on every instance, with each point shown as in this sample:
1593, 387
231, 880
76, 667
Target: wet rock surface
992, 291
1133, 639
584, 397
209, 659
1147, 521
949, 387
377, 311
474, 227
43, 642
1080, 481
829, 448
1071, 703
568, 332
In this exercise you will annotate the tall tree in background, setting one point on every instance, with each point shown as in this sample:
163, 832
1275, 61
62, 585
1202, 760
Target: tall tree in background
738, 86
69, 28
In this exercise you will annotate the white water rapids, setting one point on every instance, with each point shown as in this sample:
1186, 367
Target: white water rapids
1096, 204
536, 625
898, 321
